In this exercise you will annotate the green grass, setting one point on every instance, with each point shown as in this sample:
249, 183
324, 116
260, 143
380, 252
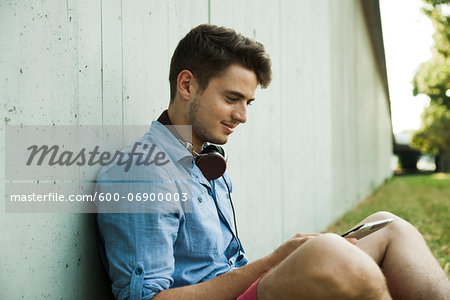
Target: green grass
423, 200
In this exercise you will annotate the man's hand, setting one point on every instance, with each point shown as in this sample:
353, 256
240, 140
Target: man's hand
291, 245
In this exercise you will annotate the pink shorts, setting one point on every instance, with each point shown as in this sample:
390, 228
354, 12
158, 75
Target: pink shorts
250, 293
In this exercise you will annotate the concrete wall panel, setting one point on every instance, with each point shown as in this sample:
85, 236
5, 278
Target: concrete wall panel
52, 63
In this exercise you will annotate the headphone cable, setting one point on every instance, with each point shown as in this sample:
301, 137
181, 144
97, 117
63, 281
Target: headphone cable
232, 208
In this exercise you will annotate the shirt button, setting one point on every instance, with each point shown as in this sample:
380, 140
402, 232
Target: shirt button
138, 271
200, 199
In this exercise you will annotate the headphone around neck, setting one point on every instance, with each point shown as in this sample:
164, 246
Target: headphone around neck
212, 160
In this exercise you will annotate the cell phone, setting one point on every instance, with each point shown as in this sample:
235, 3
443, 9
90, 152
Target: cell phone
365, 229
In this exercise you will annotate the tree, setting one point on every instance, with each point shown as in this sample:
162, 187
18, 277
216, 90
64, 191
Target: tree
433, 80
434, 135
433, 76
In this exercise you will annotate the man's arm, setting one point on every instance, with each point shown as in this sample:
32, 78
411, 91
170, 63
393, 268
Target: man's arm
232, 284
224, 287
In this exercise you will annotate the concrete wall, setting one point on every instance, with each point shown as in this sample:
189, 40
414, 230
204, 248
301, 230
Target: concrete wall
316, 142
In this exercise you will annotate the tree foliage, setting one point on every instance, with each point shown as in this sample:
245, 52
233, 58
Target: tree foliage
433, 76
433, 80
434, 135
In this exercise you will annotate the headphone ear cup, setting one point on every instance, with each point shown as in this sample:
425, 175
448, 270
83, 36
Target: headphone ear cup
212, 162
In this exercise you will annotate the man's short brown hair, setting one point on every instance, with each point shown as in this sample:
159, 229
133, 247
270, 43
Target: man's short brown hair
208, 50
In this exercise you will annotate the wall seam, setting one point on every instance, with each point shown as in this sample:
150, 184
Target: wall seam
209, 11
281, 136
101, 61
122, 80
330, 99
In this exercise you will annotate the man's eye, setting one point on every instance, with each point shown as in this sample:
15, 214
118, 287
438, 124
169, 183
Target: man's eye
232, 99
249, 103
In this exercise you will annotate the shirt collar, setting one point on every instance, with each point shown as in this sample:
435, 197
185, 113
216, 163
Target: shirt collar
165, 120
172, 146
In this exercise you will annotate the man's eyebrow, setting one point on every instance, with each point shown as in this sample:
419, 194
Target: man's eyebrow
237, 94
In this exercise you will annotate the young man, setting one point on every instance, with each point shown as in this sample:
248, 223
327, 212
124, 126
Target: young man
191, 251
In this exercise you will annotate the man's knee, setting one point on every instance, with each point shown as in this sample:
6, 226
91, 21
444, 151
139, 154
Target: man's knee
348, 272
327, 266
398, 226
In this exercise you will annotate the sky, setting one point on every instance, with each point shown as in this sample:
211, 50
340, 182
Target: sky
407, 35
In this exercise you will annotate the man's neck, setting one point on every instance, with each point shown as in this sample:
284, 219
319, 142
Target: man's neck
177, 118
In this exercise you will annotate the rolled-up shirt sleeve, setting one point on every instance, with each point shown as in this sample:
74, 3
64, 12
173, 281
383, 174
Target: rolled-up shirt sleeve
139, 252
138, 247
136, 236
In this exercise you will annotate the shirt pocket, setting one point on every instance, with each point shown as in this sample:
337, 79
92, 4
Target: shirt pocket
204, 231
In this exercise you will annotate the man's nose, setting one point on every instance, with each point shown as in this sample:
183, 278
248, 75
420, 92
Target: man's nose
240, 113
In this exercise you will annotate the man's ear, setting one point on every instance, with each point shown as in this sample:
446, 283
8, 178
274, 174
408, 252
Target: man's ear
186, 84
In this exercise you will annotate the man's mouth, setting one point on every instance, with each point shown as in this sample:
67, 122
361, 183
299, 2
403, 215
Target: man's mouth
229, 127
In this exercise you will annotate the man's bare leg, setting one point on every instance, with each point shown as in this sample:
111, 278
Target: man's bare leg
410, 269
326, 267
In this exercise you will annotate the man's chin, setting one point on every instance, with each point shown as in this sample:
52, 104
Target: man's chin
219, 140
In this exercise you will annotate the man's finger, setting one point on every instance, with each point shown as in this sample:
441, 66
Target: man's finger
352, 240
306, 234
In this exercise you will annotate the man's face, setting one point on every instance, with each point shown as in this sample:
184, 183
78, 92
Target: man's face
215, 112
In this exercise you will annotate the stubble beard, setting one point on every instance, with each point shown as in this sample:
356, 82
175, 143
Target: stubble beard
199, 129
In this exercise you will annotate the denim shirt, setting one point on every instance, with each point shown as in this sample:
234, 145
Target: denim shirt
145, 253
